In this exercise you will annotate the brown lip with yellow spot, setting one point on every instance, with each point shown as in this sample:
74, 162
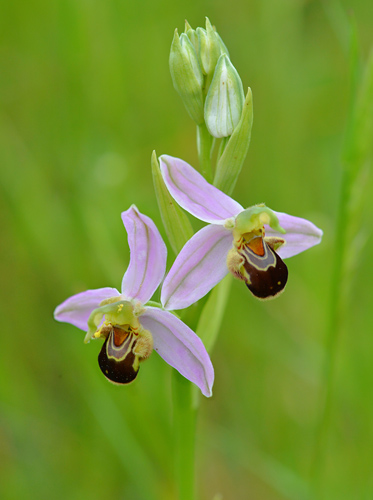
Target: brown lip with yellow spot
264, 271
253, 259
117, 359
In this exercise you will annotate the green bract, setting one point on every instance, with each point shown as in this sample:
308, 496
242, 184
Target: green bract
187, 75
230, 162
176, 223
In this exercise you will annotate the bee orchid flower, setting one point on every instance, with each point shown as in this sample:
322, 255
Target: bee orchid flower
250, 243
130, 328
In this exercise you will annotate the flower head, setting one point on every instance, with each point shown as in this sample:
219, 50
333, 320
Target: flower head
130, 328
248, 243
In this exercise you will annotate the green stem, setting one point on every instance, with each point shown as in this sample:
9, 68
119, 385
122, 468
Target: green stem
184, 434
223, 143
204, 147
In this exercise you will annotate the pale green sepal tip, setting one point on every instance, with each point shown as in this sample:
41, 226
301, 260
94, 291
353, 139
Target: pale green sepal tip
209, 48
254, 218
215, 38
190, 51
187, 27
223, 47
175, 221
120, 312
187, 76
202, 51
224, 100
192, 35
209, 29
232, 158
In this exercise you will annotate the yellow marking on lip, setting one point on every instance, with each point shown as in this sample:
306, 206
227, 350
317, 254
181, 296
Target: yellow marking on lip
119, 336
256, 245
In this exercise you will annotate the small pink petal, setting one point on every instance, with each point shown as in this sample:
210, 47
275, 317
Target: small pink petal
180, 347
148, 256
301, 234
200, 265
77, 309
193, 193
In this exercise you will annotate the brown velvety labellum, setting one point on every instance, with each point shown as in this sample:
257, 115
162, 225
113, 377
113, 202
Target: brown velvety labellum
266, 273
117, 360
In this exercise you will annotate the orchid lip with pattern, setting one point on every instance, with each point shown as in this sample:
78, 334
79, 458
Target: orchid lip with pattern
130, 328
251, 243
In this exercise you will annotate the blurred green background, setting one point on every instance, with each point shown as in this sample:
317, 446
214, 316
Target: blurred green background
86, 96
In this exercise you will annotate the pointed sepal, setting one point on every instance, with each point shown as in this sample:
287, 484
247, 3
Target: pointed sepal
148, 255
209, 48
180, 347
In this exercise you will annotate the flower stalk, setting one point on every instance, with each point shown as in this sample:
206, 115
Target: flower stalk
205, 143
184, 418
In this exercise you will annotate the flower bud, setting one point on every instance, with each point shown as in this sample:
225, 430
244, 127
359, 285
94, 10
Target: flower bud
187, 75
192, 35
224, 100
210, 47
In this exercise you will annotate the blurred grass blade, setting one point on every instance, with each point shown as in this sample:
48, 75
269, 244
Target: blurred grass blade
285, 481
339, 21
113, 424
360, 135
176, 223
230, 163
356, 156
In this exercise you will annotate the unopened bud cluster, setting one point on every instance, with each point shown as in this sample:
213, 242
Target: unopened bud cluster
206, 80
